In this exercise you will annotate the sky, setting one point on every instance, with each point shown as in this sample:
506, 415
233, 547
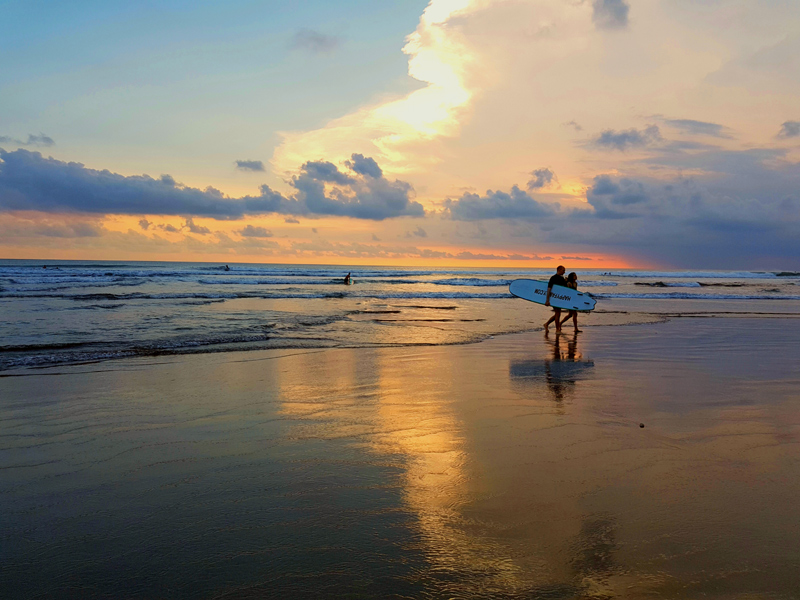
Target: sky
528, 133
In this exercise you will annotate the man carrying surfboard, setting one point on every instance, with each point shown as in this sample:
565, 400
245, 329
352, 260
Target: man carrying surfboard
557, 279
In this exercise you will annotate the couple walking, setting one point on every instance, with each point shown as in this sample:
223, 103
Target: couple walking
570, 282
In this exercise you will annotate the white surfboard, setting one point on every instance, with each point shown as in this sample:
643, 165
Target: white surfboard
561, 297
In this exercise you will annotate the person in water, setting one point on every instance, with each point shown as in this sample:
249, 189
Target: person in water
227, 268
572, 282
347, 279
557, 279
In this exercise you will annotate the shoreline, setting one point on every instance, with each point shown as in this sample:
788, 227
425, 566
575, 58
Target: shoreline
645, 318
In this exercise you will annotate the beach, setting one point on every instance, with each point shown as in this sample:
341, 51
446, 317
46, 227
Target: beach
645, 460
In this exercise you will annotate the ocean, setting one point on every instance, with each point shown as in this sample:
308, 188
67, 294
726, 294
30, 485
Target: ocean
69, 312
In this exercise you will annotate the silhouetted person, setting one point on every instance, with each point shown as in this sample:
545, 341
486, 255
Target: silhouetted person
557, 279
572, 282
227, 268
347, 279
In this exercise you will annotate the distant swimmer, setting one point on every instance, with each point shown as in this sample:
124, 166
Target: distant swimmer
572, 282
227, 268
347, 280
557, 279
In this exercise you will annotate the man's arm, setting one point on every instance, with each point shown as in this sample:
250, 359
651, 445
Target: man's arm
547, 300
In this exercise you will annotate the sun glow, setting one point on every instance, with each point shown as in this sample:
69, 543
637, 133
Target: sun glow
390, 131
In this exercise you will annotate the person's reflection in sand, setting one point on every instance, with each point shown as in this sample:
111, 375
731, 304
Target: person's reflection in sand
560, 370
559, 376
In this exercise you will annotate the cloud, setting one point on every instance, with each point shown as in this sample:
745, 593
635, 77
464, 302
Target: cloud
466, 255
314, 42
194, 228
375, 238
257, 232
574, 125
30, 182
541, 178
609, 198
630, 138
249, 165
359, 196
789, 129
497, 205
610, 14
419, 232
291, 220
17, 227
144, 224
575, 258
364, 166
698, 127
33, 140
396, 130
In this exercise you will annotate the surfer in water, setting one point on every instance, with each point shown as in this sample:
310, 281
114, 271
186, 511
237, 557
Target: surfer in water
572, 282
347, 279
557, 279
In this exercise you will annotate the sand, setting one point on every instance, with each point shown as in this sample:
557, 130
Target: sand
516, 467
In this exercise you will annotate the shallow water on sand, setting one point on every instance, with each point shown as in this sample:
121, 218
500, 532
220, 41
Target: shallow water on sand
70, 312
513, 468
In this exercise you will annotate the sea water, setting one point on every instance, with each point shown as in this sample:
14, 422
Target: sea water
62, 312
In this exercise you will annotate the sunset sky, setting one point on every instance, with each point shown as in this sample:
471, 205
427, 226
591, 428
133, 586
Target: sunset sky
598, 133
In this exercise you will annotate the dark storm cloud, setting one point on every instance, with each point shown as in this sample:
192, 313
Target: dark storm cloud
610, 14
541, 178
497, 205
33, 140
698, 127
629, 138
29, 181
789, 129
739, 209
256, 232
721, 220
249, 165
314, 41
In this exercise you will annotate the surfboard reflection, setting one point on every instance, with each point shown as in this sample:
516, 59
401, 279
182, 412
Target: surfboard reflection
564, 367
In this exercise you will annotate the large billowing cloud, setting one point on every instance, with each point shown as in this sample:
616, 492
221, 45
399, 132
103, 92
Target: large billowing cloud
396, 130
28, 181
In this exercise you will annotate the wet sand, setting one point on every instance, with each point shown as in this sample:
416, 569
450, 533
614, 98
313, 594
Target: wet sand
515, 467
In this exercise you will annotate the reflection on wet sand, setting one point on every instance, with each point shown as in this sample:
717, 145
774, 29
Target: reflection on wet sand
409, 419
561, 370
521, 473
